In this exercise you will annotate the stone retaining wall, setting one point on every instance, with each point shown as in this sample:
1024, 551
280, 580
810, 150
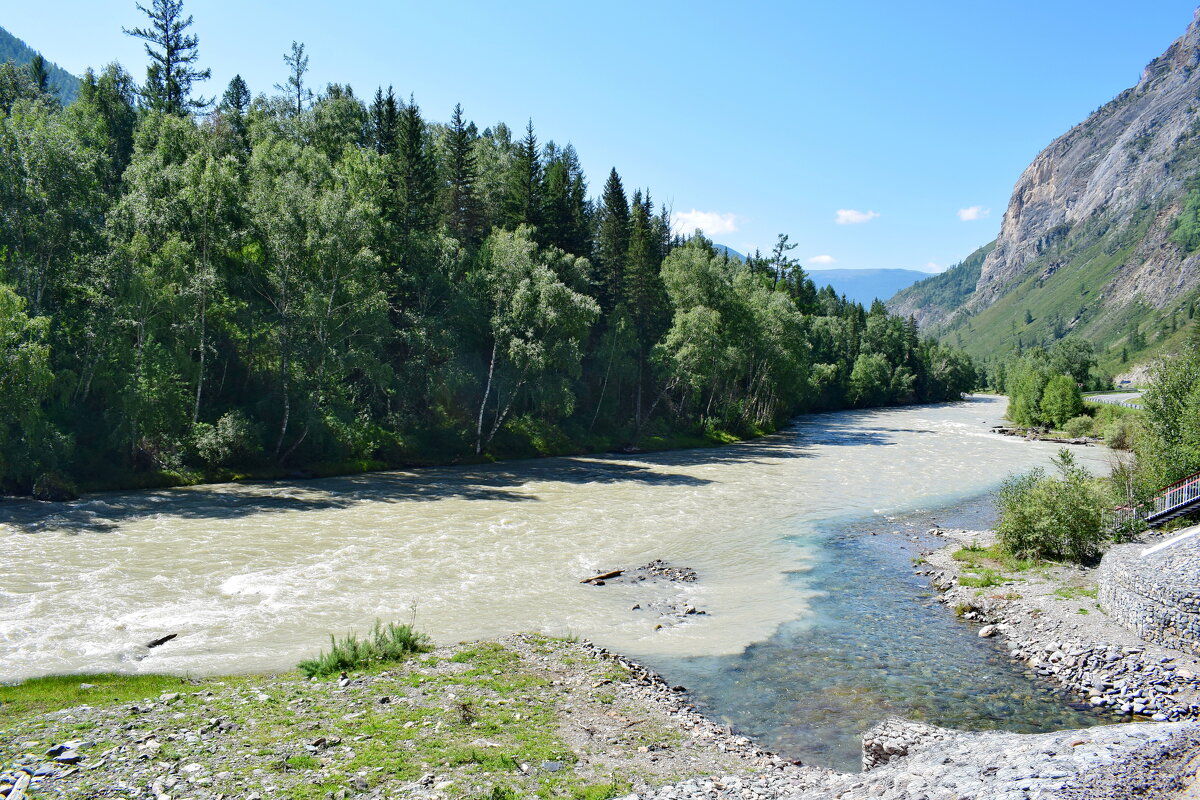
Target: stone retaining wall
1156, 596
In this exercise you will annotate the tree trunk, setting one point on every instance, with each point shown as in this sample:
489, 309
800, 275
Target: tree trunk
487, 390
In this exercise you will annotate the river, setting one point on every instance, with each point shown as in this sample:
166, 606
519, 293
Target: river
254, 577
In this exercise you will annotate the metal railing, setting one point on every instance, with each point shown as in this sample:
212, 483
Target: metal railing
1176, 496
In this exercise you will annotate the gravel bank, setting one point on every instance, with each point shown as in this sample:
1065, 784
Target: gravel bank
1050, 620
528, 714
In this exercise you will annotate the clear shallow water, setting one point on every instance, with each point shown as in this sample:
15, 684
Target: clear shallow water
255, 577
875, 644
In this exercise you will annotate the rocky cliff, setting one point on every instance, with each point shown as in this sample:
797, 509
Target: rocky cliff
1088, 243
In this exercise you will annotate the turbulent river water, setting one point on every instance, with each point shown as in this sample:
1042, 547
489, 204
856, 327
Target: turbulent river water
814, 624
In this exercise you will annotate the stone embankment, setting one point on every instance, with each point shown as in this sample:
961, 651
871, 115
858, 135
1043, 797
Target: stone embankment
1155, 591
1051, 621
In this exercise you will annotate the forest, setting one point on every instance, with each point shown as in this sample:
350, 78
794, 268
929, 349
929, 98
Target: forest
307, 282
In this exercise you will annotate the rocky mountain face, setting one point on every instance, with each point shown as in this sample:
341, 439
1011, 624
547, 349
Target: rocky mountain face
1096, 210
1132, 153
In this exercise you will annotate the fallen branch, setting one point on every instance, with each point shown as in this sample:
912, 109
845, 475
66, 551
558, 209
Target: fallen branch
603, 576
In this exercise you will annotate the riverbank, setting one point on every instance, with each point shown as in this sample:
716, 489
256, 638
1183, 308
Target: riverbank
1049, 618
519, 717
524, 716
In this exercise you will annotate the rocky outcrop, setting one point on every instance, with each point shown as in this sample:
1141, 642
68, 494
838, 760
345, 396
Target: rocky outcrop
1132, 155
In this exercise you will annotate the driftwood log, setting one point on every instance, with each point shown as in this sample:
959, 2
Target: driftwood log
161, 640
603, 576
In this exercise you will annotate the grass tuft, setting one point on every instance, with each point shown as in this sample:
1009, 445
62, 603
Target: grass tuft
384, 645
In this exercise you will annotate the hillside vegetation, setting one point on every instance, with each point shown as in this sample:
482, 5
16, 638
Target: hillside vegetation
64, 85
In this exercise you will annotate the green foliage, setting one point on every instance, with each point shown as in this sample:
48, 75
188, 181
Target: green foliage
325, 283
1168, 446
1061, 400
233, 440
1078, 426
1057, 518
27, 442
981, 578
384, 645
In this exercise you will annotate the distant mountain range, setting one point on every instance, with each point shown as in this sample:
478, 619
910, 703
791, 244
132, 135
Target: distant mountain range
1101, 238
860, 285
866, 285
15, 50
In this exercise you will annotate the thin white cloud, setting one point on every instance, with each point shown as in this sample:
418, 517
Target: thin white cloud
713, 223
850, 216
822, 259
933, 266
971, 213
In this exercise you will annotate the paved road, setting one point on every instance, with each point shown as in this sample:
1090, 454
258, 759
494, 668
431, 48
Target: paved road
1130, 399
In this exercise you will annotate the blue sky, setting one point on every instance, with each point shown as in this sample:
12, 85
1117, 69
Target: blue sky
907, 122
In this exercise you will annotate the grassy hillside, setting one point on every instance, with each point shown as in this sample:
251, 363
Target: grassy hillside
1062, 294
934, 299
13, 49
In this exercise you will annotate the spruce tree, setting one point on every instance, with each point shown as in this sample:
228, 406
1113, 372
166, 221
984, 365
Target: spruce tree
234, 105
462, 206
39, 75
645, 295
173, 54
612, 242
385, 122
523, 200
418, 171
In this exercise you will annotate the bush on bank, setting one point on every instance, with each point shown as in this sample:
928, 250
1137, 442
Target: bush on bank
384, 645
1059, 518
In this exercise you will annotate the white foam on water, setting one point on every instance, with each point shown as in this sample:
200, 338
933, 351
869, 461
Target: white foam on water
256, 577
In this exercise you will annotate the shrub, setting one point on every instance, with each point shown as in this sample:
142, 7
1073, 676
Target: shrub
1057, 518
232, 440
1121, 433
384, 645
1061, 400
1079, 426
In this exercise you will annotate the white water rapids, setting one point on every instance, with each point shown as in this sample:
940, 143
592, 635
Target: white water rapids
255, 577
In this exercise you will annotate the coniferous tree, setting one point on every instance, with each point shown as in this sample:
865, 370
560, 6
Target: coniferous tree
418, 172
644, 294
39, 75
173, 54
612, 242
234, 105
385, 122
297, 93
462, 207
523, 200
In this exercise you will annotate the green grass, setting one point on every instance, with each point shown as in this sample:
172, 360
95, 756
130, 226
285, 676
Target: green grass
973, 555
1075, 592
55, 692
982, 578
384, 645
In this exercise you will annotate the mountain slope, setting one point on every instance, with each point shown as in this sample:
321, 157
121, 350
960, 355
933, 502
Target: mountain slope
865, 285
1101, 237
15, 50
933, 300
